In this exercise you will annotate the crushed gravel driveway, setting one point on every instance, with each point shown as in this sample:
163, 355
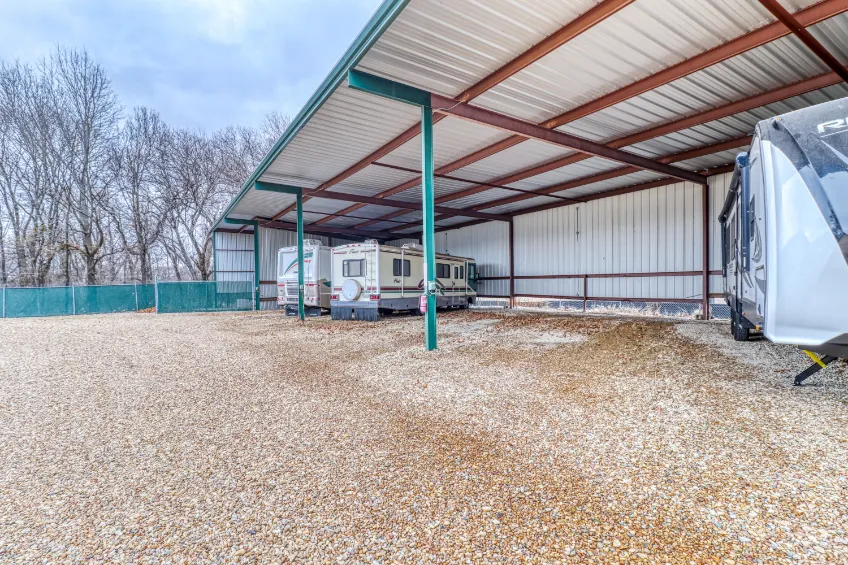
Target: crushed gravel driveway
253, 438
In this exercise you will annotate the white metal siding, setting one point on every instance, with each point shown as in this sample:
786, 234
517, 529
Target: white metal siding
718, 191
656, 230
488, 245
233, 259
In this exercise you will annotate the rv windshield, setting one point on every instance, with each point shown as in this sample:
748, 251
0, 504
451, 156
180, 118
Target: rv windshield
820, 135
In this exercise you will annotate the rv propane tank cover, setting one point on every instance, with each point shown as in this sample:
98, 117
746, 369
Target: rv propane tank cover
351, 289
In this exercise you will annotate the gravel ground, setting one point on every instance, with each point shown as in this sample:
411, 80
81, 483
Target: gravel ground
250, 438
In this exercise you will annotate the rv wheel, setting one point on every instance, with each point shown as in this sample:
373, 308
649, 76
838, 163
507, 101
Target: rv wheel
740, 332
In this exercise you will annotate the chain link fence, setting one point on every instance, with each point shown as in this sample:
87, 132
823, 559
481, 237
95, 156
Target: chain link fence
163, 297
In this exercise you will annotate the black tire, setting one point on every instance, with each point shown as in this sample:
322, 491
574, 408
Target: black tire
740, 332
732, 322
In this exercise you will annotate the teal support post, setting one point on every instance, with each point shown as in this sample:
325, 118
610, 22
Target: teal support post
428, 234
256, 278
214, 258
417, 97
300, 266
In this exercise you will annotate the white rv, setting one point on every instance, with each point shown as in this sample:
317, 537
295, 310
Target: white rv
369, 278
784, 246
317, 260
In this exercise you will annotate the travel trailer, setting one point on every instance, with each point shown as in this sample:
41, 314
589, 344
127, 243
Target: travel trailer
317, 260
369, 278
784, 246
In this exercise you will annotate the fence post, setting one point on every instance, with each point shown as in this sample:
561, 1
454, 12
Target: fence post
73, 300
4, 300
135, 287
585, 290
156, 293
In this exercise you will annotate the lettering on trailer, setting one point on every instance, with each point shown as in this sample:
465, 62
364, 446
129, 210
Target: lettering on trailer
838, 125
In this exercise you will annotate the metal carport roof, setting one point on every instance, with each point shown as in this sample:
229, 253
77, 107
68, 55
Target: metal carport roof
681, 82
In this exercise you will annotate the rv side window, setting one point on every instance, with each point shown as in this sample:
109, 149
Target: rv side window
443, 271
400, 267
353, 268
459, 273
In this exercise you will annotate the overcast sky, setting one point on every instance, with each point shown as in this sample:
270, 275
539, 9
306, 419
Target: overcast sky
200, 63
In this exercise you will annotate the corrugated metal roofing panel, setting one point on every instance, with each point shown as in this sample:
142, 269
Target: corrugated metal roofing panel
348, 126
446, 47
262, 203
643, 38
766, 68
372, 180
738, 124
516, 158
585, 168
481, 198
831, 33
453, 138
712, 160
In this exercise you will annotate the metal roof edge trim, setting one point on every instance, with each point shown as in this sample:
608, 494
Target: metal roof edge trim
379, 22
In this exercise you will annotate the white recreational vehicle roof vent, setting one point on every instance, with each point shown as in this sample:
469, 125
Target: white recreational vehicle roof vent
416, 246
312, 242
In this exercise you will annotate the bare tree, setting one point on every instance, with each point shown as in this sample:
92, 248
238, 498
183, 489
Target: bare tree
195, 183
30, 168
87, 197
139, 207
89, 114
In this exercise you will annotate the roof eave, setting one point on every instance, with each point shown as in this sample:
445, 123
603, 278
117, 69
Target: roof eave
379, 22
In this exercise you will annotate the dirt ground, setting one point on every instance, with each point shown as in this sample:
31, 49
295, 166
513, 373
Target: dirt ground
527, 438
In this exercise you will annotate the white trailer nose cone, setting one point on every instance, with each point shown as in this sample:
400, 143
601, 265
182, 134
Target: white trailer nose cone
351, 289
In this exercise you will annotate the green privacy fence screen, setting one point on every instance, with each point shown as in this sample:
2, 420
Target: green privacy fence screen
171, 296
71, 300
204, 296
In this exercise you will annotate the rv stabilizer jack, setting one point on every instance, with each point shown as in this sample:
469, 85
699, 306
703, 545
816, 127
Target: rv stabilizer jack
819, 363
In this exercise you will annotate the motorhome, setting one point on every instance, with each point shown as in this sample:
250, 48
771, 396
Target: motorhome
317, 261
369, 278
784, 246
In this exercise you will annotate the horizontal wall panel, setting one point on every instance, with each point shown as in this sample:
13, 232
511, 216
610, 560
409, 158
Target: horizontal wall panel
488, 245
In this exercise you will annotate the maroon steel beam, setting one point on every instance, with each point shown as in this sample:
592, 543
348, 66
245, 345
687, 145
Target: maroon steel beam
719, 170
795, 89
469, 181
444, 210
675, 158
771, 32
582, 23
276, 224
766, 34
703, 117
782, 14
530, 130
698, 152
